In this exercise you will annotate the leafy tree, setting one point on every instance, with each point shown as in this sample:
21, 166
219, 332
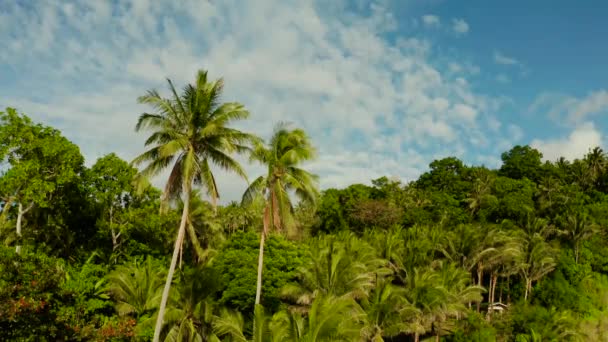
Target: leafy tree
522, 162
192, 131
235, 265
42, 163
112, 187
286, 151
331, 213
446, 175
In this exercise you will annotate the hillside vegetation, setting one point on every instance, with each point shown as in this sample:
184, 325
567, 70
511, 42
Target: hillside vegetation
463, 253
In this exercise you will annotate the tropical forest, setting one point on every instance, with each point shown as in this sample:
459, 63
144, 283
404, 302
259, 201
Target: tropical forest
147, 249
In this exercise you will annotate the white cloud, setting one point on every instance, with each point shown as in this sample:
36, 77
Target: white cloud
576, 145
500, 58
329, 70
465, 112
561, 107
460, 26
430, 20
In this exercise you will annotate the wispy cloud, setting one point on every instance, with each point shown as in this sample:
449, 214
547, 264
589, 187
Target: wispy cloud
500, 58
430, 20
561, 108
460, 26
373, 106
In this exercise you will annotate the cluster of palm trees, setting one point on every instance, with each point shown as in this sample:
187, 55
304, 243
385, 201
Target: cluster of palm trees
190, 132
388, 282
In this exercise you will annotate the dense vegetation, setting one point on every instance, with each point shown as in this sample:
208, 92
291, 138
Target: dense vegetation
464, 253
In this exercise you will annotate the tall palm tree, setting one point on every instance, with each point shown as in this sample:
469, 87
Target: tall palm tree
286, 151
191, 132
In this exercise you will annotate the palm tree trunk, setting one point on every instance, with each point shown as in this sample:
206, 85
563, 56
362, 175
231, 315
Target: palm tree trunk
576, 252
437, 338
528, 287
258, 291
500, 294
266, 222
479, 283
416, 337
176, 250
494, 282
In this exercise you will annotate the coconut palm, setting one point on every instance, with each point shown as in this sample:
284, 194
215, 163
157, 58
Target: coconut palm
596, 163
190, 131
481, 191
282, 156
388, 244
386, 311
425, 293
330, 319
536, 261
338, 265
136, 287
577, 227
190, 314
203, 227
456, 283
548, 192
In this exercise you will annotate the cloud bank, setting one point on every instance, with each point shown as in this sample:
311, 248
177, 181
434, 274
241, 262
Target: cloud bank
373, 106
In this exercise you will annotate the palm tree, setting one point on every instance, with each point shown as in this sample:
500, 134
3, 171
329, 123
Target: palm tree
596, 163
287, 149
425, 293
338, 265
136, 287
191, 131
330, 319
548, 192
387, 311
190, 315
578, 228
536, 261
481, 191
456, 283
203, 228
389, 244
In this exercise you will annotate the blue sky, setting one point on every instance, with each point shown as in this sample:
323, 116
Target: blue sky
382, 87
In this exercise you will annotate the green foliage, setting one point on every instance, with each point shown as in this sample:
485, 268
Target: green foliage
236, 263
29, 293
522, 162
464, 253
